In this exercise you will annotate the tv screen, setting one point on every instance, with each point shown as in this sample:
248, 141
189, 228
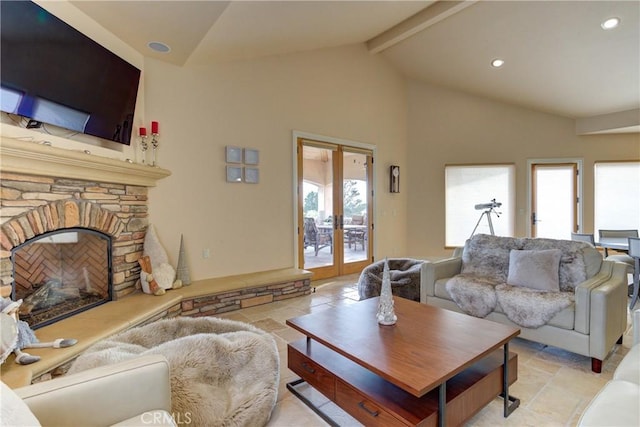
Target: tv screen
51, 73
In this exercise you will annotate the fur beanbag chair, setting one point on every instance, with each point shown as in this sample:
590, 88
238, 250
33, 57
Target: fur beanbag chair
403, 272
223, 372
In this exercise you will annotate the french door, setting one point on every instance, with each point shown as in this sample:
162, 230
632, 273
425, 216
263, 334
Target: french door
335, 227
554, 200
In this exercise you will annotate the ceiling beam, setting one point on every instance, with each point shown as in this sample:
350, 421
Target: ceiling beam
422, 20
621, 122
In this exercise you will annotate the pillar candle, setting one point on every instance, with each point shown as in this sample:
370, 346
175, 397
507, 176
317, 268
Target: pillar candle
154, 127
143, 131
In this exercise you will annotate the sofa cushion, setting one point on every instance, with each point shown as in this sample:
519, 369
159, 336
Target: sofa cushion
616, 404
535, 269
629, 367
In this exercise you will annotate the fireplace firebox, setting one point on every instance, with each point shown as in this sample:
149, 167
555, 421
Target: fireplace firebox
61, 273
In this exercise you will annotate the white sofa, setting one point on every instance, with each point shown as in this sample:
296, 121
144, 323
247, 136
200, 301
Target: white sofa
591, 325
136, 392
618, 403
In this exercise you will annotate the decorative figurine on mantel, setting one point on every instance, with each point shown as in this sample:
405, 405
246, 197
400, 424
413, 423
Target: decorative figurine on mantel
386, 315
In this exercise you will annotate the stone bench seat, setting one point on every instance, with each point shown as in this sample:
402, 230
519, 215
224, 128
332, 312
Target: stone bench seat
201, 298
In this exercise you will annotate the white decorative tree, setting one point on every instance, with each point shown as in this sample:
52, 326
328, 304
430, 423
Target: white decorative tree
386, 315
182, 272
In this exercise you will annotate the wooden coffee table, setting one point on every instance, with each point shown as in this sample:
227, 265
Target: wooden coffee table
434, 366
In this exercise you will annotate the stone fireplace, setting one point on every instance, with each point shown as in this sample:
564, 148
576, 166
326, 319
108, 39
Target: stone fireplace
60, 205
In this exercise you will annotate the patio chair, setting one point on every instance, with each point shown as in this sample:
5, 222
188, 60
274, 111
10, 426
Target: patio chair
355, 236
313, 236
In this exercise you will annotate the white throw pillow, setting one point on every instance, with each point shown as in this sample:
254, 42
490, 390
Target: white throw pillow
535, 269
14, 411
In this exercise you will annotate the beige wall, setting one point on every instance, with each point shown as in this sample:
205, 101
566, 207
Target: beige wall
447, 126
344, 93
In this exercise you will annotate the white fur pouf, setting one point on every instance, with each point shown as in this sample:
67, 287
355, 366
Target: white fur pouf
223, 372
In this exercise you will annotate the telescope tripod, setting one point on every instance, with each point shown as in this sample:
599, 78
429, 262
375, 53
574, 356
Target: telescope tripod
488, 214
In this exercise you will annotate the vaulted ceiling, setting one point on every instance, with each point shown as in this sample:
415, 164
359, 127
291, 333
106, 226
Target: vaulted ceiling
557, 58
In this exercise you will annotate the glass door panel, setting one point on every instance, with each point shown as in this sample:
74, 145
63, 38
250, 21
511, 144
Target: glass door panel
355, 207
317, 207
554, 204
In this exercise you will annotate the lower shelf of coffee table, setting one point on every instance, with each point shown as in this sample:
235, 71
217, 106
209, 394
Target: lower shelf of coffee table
376, 402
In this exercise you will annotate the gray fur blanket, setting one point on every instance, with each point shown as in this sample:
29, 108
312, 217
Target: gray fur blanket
403, 272
529, 308
223, 372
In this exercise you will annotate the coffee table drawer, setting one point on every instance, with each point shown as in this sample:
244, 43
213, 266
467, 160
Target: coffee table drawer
363, 409
311, 372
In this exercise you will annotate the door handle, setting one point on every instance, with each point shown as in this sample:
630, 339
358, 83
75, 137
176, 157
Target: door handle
341, 222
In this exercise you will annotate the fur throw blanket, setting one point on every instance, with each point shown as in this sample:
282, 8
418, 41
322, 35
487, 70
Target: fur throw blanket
223, 372
403, 272
529, 308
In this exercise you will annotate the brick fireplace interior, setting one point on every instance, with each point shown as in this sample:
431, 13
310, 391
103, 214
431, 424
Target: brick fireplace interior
61, 273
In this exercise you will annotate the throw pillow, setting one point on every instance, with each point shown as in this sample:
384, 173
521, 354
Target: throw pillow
535, 269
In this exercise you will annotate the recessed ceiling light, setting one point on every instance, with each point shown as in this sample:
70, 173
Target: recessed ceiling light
159, 47
610, 23
497, 63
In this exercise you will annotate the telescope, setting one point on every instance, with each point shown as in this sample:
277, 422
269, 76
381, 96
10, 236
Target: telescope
489, 209
491, 205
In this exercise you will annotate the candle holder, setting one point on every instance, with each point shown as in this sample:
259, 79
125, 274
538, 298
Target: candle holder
144, 146
154, 147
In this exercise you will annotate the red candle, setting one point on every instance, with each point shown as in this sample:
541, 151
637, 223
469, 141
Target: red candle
154, 127
143, 131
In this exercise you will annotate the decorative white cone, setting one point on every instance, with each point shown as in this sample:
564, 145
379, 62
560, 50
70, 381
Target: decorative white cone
386, 314
182, 272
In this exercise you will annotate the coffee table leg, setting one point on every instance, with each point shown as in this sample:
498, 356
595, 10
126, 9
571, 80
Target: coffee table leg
442, 404
510, 402
291, 386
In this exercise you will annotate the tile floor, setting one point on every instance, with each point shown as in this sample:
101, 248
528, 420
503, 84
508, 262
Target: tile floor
554, 386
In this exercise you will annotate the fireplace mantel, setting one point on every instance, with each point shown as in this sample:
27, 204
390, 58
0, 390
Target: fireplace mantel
30, 158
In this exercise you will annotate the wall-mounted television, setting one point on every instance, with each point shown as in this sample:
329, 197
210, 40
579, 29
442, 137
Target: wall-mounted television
51, 73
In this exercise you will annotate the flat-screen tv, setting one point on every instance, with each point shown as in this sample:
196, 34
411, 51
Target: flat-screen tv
52, 73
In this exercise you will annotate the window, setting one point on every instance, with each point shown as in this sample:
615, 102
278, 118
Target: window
471, 185
617, 196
